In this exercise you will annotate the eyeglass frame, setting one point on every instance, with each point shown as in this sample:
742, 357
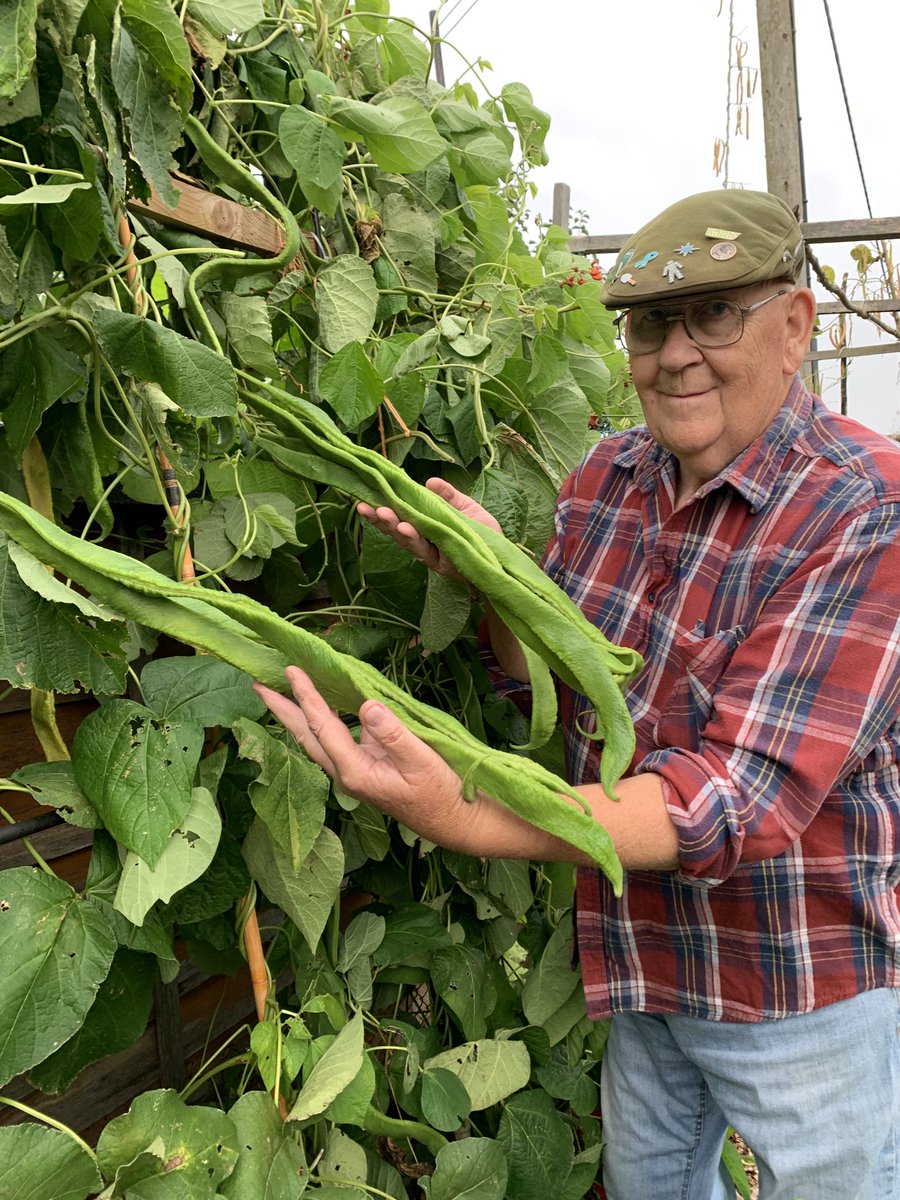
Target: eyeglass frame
680, 316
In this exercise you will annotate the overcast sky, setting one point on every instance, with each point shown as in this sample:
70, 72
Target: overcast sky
637, 92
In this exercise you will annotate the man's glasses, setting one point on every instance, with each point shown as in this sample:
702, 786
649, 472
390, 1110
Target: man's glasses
709, 323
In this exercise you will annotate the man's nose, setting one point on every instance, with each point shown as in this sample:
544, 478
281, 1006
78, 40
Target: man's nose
678, 348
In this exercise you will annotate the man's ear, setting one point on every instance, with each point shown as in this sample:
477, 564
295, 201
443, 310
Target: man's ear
801, 320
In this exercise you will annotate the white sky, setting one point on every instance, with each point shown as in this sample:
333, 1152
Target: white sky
637, 92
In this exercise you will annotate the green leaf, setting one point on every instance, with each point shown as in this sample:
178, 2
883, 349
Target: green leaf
411, 929
272, 1164
37, 1163
184, 858
460, 976
446, 611
44, 372
289, 793
311, 146
40, 193
306, 895
199, 690
18, 27
56, 949
154, 125
510, 881
250, 332
361, 939
200, 381
371, 14
471, 1169
227, 16
53, 783
351, 1106
538, 1146
337, 1067
399, 134
157, 32
550, 984
409, 240
347, 297
557, 422
402, 53
445, 1101
351, 385
480, 158
531, 122
161, 1145
50, 646
136, 770
115, 1021
9, 269
549, 362
490, 1070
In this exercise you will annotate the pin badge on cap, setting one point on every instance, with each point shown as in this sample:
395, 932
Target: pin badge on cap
725, 235
672, 270
722, 251
687, 248
629, 279
642, 262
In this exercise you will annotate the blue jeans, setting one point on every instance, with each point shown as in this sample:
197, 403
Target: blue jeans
816, 1097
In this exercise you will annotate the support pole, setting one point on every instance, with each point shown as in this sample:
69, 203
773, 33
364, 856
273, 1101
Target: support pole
781, 111
438, 57
562, 204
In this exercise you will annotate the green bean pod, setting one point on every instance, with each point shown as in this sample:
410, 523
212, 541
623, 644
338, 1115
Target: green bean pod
244, 632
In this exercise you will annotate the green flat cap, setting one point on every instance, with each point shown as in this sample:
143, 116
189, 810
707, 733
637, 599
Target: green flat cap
723, 239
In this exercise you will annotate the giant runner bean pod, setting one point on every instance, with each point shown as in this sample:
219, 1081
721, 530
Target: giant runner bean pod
244, 632
537, 611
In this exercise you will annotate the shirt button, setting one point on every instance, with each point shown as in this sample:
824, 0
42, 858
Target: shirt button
651, 596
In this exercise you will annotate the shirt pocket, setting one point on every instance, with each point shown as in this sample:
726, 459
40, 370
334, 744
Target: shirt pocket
699, 663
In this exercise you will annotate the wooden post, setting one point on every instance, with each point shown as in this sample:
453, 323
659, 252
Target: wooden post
562, 203
781, 112
438, 57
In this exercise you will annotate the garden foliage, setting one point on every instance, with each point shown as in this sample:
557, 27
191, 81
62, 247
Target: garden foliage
415, 310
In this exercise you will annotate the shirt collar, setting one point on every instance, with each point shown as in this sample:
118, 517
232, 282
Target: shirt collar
752, 474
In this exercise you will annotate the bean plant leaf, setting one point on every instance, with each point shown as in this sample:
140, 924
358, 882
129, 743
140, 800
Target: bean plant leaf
50, 646
446, 611
306, 895
137, 770
351, 385
17, 44
398, 133
337, 1067
531, 122
201, 382
37, 1163
53, 783
409, 240
490, 1070
56, 949
272, 1163
347, 297
185, 856
445, 1101
552, 981
250, 332
402, 53
162, 1143
40, 193
289, 793
461, 979
44, 373
227, 16
471, 1169
311, 146
538, 1146
115, 1020
199, 690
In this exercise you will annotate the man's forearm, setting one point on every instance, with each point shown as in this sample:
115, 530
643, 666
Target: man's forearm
506, 646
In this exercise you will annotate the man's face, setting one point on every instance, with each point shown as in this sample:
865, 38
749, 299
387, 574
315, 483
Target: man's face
706, 405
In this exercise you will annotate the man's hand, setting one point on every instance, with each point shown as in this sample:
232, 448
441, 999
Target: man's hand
389, 767
409, 538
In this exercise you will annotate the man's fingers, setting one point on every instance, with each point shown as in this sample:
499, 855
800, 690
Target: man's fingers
293, 718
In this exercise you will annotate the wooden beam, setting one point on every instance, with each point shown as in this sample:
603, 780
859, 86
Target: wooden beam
865, 230
781, 110
237, 226
853, 352
873, 306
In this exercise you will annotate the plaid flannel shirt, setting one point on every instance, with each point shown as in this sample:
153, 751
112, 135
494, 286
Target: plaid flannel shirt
768, 613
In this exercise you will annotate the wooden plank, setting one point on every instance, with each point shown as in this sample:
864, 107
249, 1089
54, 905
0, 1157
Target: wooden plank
853, 352
237, 226
877, 229
831, 308
781, 110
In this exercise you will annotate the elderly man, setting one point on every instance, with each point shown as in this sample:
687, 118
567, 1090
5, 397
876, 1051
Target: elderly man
745, 541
